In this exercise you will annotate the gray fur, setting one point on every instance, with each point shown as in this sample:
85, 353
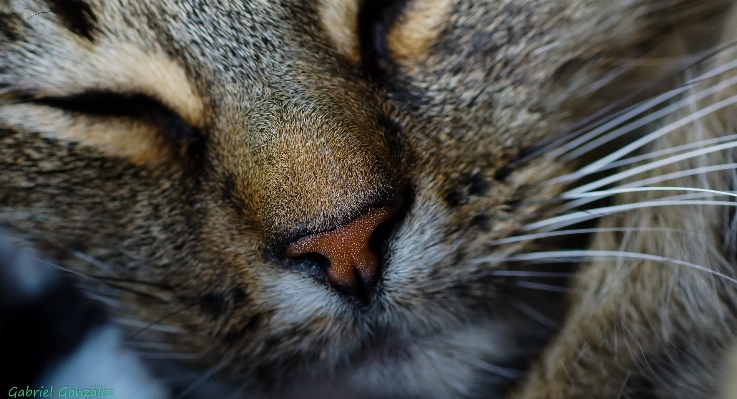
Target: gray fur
296, 138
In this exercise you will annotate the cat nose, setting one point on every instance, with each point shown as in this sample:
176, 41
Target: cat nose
353, 265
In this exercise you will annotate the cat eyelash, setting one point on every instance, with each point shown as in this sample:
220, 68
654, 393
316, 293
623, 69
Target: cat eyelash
134, 106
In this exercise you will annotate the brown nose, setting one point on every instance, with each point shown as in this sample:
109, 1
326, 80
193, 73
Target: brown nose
346, 248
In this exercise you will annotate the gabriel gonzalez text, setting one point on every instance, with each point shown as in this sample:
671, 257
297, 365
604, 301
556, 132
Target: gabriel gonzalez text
64, 392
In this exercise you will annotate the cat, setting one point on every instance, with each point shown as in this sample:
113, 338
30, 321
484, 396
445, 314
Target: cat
338, 196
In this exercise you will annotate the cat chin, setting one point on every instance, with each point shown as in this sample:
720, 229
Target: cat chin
464, 363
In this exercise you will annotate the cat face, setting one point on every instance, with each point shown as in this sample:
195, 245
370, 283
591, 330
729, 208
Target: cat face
202, 153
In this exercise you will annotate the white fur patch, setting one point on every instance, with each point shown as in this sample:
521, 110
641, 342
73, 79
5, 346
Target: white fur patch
103, 361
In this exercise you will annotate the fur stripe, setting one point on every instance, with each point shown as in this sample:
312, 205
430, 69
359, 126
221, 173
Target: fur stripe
415, 30
76, 15
339, 21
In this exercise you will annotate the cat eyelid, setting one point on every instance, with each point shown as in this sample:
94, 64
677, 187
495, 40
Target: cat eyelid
375, 19
134, 106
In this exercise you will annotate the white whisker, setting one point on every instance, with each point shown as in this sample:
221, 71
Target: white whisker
150, 345
604, 255
582, 130
505, 372
630, 112
542, 287
726, 67
66, 270
575, 133
658, 179
536, 236
578, 151
166, 355
614, 122
529, 273
90, 260
685, 197
596, 166
149, 326
206, 376
609, 77
670, 150
557, 222
608, 193
653, 165
537, 316
113, 303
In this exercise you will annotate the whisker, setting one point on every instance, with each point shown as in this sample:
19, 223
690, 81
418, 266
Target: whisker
679, 174
557, 222
545, 148
156, 322
101, 280
36, 13
686, 196
167, 355
649, 119
543, 287
113, 303
104, 266
508, 373
131, 281
610, 192
577, 144
658, 179
95, 262
209, 374
653, 165
154, 327
670, 150
589, 122
617, 72
151, 345
535, 236
529, 273
597, 165
530, 312
66, 270
90, 260
598, 255
624, 384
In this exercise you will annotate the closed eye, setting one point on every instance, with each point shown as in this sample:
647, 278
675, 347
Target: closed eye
139, 107
375, 18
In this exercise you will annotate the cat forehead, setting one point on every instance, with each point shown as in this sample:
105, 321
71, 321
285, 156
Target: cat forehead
243, 35
163, 49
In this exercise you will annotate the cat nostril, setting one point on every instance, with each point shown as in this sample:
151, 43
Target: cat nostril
347, 249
